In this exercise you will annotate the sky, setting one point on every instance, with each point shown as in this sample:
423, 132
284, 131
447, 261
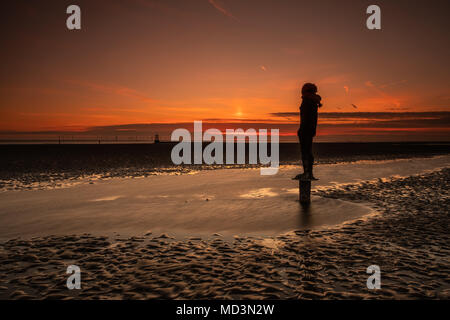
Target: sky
138, 67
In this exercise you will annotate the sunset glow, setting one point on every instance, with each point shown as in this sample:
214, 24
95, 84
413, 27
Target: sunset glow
173, 62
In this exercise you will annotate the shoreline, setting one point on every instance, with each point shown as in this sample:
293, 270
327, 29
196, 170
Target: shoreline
27, 166
45, 181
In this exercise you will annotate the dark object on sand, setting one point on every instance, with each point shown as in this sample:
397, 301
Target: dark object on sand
311, 101
304, 187
305, 177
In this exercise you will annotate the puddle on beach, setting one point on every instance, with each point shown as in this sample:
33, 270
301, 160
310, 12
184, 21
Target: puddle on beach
193, 205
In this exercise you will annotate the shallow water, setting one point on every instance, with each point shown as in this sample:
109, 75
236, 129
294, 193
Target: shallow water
233, 201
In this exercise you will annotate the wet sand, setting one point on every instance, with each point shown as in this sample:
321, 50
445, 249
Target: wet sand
230, 202
408, 238
44, 165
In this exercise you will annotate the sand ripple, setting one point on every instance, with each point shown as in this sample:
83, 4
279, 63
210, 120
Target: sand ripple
409, 240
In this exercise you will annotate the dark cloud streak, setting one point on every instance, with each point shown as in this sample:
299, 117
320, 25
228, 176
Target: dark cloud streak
370, 115
412, 124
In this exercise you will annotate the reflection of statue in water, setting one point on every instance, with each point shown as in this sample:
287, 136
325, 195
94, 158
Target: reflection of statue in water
308, 123
305, 215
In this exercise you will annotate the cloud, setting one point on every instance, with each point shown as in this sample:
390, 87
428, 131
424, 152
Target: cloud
335, 126
431, 119
216, 4
242, 120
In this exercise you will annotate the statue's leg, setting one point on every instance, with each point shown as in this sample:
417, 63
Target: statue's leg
311, 163
303, 155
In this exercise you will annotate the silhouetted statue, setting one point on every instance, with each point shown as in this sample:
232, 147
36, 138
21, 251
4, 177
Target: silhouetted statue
308, 124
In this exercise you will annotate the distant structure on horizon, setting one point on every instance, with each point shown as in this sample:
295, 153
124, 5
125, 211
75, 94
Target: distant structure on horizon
157, 138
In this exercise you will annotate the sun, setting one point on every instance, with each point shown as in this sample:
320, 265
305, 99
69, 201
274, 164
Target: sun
238, 112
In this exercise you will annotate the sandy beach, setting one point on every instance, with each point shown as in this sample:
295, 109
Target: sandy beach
251, 239
169, 151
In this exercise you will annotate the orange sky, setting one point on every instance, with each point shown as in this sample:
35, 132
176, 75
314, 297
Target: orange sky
145, 61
